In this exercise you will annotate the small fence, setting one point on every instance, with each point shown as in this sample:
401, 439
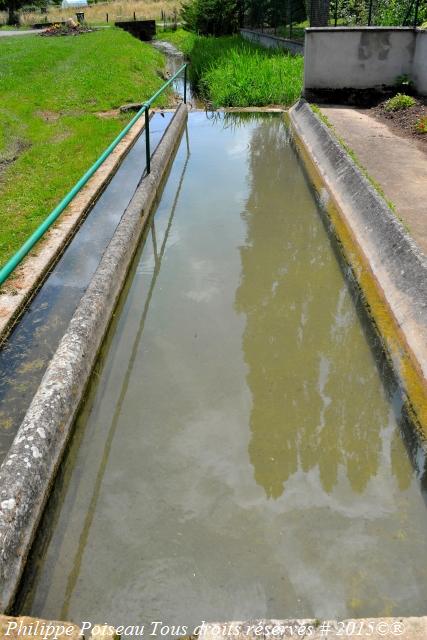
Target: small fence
289, 18
29, 244
404, 13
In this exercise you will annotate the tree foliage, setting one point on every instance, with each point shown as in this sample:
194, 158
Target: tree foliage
13, 6
383, 12
212, 17
222, 17
398, 12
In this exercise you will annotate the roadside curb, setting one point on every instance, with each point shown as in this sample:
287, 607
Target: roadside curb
28, 471
390, 269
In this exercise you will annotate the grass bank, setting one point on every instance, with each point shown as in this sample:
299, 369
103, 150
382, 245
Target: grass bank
232, 72
53, 90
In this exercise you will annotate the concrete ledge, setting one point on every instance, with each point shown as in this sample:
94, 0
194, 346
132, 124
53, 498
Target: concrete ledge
358, 29
389, 267
352, 629
20, 287
142, 29
270, 41
28, 470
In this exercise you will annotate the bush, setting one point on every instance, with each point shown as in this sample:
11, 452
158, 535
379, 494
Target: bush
211, 17
399, 101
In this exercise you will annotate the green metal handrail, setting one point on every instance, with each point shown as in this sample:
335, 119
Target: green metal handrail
17, 258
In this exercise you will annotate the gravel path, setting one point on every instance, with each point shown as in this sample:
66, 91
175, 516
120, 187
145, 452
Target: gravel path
28, 32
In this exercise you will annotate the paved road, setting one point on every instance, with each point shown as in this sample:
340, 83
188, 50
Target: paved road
27, 32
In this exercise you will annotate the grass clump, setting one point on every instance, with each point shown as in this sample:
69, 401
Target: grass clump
231, 72
248, 77
399, 102
53, 90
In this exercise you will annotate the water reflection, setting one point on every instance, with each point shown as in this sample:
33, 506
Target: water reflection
315, 396
204, 480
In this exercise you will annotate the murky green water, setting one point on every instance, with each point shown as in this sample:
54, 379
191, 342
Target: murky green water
239, 454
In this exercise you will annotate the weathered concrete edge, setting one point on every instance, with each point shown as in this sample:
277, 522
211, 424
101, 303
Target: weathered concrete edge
389, 267
20, 288
411, 628
28, 471
272, 36
287, 43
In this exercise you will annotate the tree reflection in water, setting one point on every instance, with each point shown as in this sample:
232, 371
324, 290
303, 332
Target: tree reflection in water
318, 401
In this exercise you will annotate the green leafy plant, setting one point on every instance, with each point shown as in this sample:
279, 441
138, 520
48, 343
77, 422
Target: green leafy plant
399, 101
421, 125
404, 82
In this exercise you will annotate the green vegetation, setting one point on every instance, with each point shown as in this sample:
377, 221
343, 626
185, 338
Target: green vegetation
398, 102
297, 32
395, 12
421, 125
383, 12
53, 90
211, 17
230, 72
182, 39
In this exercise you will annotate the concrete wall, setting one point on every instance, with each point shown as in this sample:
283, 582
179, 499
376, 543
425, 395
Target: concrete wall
363, 57
272, 42
419, 71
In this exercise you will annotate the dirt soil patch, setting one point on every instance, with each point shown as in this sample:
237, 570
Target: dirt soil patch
12, 153
404, 121
71, 28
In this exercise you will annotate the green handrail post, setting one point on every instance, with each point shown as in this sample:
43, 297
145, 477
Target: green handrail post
17, 258
147, 141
